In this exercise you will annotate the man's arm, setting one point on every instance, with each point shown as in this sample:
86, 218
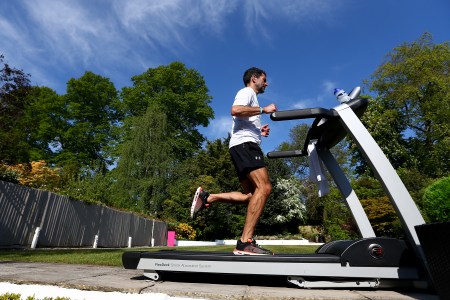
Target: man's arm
249, 111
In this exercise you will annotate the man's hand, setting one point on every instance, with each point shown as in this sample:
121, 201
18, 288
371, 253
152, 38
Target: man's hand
269, 109
265, 130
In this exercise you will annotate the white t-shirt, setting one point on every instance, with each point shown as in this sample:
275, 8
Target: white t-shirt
246, 129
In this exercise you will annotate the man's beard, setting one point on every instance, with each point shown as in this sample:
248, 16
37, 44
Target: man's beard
261, 90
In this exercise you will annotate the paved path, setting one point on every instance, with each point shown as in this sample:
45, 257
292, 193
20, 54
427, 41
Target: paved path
97, 278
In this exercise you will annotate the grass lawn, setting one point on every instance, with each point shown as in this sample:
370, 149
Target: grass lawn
113, 257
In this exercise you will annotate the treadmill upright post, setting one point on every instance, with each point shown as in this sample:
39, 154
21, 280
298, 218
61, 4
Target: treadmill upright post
398, 195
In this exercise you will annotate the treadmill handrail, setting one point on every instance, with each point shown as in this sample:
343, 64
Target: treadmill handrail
286, 153
306, 113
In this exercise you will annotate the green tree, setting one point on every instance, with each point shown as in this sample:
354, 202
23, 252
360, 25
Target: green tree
163, 110
91, 113
14, 87
43, 120
410, 117
145, 164
182, 95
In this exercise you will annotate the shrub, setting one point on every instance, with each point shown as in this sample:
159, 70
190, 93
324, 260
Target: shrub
9, 175
36, 174
185, 232
436, 200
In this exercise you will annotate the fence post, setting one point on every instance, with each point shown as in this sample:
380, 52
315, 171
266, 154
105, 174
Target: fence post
95, 241
129, 241
35, 237
153, 227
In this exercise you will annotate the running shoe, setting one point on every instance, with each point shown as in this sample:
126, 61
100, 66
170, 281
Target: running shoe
199, 202
250, 248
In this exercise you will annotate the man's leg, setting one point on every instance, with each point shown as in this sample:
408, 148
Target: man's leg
231, 197
203, 199
259, 179
235, 197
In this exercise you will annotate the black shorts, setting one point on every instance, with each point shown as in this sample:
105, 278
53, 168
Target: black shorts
247, 157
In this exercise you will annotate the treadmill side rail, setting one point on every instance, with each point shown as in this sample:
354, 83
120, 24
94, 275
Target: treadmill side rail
327, 270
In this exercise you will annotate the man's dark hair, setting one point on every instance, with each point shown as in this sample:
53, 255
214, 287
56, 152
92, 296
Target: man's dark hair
252, 72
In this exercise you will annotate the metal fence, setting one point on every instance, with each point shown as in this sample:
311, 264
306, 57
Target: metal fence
30, 216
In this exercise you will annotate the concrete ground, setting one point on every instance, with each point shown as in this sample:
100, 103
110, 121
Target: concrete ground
117, 279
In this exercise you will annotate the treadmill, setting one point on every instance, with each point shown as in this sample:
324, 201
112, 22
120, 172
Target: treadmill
368, 262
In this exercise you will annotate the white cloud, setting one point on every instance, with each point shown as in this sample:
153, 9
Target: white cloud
9, 31
172, 23
219, 127
302, 104
307, 10
66, 28
299, 12
326, 93
327, 89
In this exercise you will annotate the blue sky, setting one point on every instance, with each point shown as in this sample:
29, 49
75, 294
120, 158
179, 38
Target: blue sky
307, 47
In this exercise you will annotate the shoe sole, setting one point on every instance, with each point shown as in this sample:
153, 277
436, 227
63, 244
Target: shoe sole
194, 201
240, 252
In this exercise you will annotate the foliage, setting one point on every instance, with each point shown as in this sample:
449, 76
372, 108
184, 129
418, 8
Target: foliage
181, 94
310, 232
382, 215
36, 175
409, 118
145, 164
10, 296
286, 209
215, 161
75, 130
368, 187
297, 136
92, 188
185, 232
378, 208
43, 121
436, 200
415, 182
162, 111
14, 86
338, 222
92, 111
8, 174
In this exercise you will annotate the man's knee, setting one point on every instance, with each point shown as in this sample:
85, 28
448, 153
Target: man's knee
266, 189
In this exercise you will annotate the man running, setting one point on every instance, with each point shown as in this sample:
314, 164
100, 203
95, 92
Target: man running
248, 160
